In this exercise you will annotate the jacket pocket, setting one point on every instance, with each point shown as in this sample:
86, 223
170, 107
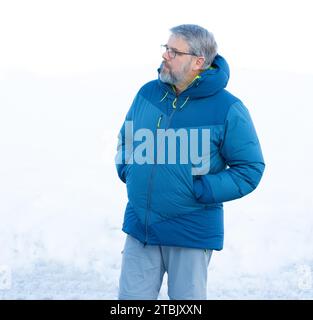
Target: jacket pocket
173, 191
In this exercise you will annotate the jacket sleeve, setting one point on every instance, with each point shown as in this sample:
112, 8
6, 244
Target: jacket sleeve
242, 153
124, 144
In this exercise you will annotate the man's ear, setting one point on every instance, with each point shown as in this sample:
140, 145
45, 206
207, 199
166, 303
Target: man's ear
199, 63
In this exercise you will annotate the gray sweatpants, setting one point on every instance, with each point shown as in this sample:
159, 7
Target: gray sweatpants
143, 268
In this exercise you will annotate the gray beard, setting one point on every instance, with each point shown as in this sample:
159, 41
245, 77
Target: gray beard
170, 77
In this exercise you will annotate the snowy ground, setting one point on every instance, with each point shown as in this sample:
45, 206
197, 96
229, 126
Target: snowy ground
61, 204
52, 280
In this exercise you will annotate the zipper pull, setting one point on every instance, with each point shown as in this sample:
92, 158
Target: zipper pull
159, 121
174, 103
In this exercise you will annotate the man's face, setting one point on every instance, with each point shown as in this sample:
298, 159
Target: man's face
179, 69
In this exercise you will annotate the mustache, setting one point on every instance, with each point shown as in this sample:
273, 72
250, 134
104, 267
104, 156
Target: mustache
164, 63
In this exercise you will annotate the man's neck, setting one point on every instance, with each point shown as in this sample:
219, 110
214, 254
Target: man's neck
180, 87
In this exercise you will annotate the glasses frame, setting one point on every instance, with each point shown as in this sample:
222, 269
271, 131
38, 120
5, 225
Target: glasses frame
173, 52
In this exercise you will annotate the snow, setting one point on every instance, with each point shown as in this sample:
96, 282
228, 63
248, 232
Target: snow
62, 205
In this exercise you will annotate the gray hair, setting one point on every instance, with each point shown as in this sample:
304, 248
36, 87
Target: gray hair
201, 42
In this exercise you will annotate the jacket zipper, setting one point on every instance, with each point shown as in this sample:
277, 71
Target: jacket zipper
159, 121
149, 193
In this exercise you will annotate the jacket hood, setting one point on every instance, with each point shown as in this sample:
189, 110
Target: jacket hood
207, 83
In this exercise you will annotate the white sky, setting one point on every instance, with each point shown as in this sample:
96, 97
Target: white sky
63, 36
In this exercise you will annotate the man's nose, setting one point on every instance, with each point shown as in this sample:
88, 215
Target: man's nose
165, 55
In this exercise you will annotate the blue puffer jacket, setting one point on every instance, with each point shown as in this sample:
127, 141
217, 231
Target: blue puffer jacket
167, 204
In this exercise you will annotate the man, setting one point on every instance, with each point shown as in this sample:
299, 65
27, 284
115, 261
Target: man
174, 216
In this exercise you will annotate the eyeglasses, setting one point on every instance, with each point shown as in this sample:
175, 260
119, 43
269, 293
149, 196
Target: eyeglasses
172, 52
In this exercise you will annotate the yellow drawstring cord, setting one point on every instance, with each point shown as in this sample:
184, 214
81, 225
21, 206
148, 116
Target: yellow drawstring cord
175, 100
184, 102
164, 96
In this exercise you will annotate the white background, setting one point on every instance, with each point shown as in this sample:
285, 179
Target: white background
68, 73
